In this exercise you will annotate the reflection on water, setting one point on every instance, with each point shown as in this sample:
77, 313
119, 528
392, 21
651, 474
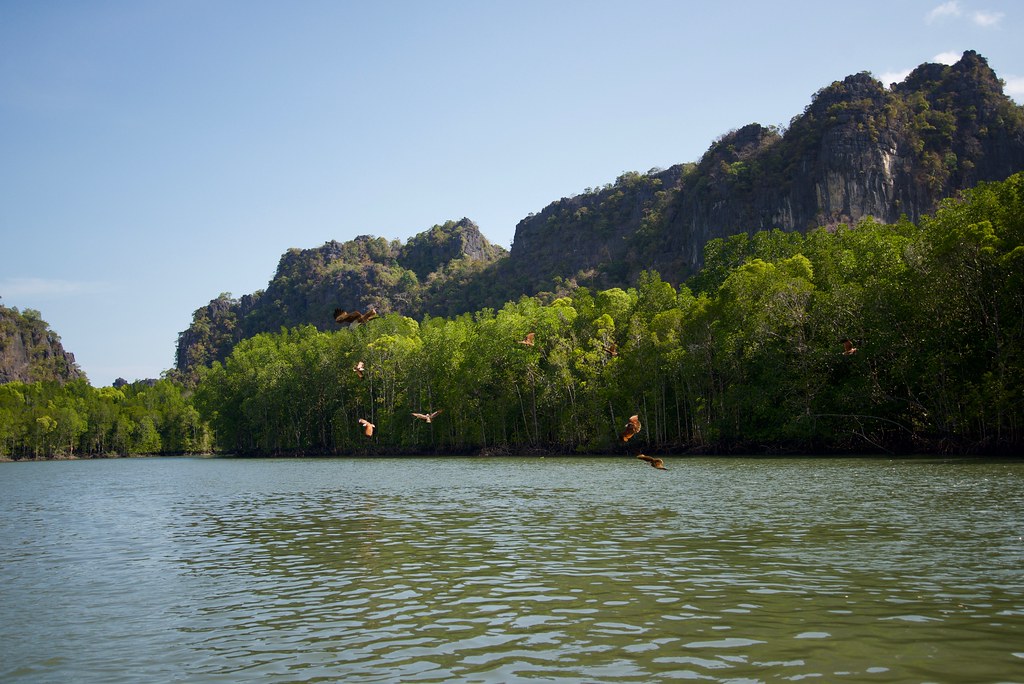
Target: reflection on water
501, 570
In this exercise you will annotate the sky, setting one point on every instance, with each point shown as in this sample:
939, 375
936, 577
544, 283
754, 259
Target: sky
157, 153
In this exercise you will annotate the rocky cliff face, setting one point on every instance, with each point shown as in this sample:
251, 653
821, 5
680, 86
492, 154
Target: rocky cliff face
859, 149
30, 351
432, 250
355, 275
586, 237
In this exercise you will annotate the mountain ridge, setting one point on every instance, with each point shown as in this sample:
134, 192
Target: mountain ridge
858, 149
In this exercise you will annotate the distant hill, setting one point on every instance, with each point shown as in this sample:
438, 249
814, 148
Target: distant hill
30, 351
428, 274
858, 149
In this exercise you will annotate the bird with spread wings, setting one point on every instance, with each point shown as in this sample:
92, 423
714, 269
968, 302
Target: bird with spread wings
632, 427
655, 462
353, 318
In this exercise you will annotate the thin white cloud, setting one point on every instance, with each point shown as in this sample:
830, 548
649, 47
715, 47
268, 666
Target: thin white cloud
948, 58
954, 10
986, 19
1014, 87
889, 77
897, 75
13, 288
946, 9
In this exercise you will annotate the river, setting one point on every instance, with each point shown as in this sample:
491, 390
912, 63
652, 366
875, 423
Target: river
512, 569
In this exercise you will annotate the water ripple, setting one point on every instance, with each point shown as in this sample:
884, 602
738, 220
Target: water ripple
731, 570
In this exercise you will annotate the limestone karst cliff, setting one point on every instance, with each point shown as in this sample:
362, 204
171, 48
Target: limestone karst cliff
30, 351
860, 148
358, 274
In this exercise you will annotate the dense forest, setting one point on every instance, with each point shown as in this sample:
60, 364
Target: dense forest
45, 419
747, 356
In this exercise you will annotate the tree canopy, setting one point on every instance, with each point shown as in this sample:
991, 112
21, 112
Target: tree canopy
746, 356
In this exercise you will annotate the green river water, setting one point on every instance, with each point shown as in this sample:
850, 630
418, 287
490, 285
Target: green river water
512, 569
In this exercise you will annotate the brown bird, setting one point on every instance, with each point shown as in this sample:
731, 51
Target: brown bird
528, 340
367, 427
655, 462
429, 417
359, 368
848, 347
353, 318
611, 350
632, 427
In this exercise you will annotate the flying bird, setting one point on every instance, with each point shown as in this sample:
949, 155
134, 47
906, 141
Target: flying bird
632, 427
367, 427
655, 462
528, 340
611, 350
354, 318
848, 347
359, 369
429, 417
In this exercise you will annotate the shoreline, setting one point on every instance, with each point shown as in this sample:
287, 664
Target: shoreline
1008, 454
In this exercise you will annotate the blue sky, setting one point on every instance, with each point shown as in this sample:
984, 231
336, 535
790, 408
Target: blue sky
156, 153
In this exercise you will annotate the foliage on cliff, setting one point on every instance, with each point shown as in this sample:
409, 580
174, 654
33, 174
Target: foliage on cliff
425, 275
858, 149
30, 351
747, 357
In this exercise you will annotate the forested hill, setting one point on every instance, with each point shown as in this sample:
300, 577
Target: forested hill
432, 267
869, 338
858, 149
30, 351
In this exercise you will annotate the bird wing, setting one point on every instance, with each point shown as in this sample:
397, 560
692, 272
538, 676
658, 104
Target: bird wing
632, 427
656, 462
436, 413
421, 416
342, 316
